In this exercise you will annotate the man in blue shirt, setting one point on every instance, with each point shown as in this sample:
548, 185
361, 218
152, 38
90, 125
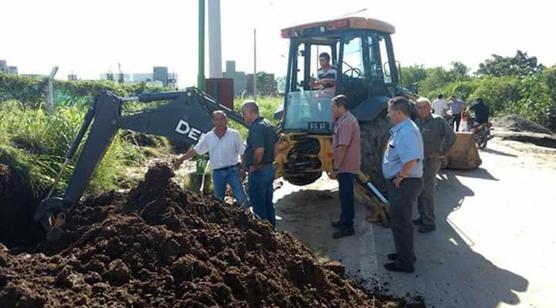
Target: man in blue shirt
402, 168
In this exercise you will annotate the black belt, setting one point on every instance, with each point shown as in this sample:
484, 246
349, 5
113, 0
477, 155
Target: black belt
226, 168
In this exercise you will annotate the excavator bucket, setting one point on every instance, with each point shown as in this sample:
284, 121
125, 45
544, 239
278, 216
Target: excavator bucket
464, 153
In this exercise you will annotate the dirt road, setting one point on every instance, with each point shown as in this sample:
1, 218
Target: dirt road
494, 242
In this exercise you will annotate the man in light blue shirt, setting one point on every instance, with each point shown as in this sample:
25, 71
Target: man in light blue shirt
403, 170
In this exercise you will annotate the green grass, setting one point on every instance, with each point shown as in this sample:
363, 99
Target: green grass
35, 144
267, 107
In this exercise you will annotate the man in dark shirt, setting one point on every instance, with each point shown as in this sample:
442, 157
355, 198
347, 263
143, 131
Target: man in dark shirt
438, 138
259, 156
481, 111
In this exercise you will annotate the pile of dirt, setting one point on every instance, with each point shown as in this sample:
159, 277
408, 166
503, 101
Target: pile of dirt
516, 123
159, 247
16, 210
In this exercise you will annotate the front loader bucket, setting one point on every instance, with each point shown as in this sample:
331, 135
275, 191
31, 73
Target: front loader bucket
464, 153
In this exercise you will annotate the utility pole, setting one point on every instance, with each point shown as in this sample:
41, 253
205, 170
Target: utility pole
50, 91
201, 74
255, 64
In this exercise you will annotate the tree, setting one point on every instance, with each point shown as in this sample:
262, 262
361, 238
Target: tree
413, 74
520, 65
459, 71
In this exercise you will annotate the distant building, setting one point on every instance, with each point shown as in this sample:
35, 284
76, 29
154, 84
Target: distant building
72, 77
159, 76
5, 68
160, 73
266, 84
240, 79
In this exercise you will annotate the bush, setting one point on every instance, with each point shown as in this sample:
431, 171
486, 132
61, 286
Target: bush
35, 145
31, 91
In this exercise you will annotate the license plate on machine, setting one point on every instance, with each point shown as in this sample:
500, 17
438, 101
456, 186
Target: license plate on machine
319, 125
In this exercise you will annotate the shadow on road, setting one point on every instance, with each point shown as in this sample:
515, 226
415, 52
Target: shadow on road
461, 276
449, 273
497, 152
480, 173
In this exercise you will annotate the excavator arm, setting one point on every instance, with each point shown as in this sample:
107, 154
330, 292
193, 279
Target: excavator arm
183, 115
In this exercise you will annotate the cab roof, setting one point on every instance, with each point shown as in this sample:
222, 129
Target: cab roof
340, 24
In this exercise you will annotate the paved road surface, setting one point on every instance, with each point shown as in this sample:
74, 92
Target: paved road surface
495, 243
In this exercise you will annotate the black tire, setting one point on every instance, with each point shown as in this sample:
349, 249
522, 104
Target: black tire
374, 137
481, 139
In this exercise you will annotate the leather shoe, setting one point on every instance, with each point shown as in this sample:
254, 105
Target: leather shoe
418, 221
426, 228
394, 257
394, 267
337, 224
345, 231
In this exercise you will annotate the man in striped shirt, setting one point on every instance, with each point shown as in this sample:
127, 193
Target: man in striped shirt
326, 74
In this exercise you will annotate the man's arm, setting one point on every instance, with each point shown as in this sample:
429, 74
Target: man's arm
404, 172
449, 137
341, 151
188, 155
257, 159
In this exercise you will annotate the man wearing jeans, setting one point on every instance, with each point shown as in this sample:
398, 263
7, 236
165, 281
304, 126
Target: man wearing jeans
403, 170
225, 148
346, 147
261, 148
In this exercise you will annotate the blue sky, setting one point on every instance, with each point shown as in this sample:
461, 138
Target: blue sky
91, 37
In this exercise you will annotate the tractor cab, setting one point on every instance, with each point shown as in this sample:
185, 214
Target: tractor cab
362, 56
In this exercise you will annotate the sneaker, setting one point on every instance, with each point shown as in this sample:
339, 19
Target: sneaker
394, 257
345, 231
337, 224
426, 228
418, 221
394, 267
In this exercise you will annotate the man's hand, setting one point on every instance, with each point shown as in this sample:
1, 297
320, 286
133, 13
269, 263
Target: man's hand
177, 163
332, 175
398, 180
437, 156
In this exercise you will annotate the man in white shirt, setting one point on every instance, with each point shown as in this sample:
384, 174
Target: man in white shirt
440, 106
225, 149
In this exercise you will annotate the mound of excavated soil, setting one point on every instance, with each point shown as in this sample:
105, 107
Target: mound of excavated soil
16, 210
161, 247
516, 123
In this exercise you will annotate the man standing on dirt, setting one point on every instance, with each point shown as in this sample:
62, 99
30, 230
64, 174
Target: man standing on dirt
403, 170
346, 147
262, 143
438, 138
225, 148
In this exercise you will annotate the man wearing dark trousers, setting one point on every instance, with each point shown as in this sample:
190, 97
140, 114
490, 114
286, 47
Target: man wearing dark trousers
346, 144
403, 169
438, 138
259, 157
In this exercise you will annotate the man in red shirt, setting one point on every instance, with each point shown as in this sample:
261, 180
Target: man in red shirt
346, 144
